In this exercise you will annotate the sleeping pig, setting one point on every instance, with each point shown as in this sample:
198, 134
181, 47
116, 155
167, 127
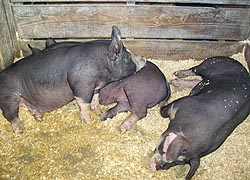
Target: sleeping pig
53, 77
201, 121
135, 93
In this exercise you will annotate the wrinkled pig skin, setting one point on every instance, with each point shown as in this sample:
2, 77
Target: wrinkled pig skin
144, 89
201, 121
55, 76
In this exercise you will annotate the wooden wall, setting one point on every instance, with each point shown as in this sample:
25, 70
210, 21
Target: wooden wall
170, 29
7, 38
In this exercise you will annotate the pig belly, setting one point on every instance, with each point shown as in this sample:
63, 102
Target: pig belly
46, 100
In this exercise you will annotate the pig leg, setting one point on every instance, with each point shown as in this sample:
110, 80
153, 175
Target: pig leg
120, 107
10, 110
194, 165
17, 126
128, 123
83, 91
84, 110
184, 83
94, 105
139, 111
26, 104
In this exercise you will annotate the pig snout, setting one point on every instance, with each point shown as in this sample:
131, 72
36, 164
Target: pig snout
160, 157
157, 162
169, 150
154, 161
184, 73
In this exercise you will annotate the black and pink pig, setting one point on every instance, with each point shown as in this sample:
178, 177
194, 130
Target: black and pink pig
202, 121
136, 93
53, 77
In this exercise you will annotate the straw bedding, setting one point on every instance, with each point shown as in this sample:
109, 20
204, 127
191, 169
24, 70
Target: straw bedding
61, 147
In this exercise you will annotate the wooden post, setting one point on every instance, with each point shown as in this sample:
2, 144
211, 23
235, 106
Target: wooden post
8, 41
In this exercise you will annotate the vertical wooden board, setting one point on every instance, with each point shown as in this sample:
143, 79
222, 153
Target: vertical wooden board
6, 48
171, 22
248, 37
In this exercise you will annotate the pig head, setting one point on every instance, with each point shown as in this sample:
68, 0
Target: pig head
201, 121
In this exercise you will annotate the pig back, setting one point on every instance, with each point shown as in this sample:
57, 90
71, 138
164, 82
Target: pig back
148, 86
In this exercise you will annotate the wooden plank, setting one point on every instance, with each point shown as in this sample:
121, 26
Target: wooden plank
6, 46
248, 37
228, 2
95, 21
8, 33
168, 49
179, 50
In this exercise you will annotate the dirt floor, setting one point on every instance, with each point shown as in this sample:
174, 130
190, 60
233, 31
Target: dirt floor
61, 147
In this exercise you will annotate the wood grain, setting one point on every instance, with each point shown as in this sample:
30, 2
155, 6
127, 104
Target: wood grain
82, 21
168, 49
228, 2
6, 46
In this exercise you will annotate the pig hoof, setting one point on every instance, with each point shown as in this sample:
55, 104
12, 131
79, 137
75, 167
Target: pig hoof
85, 118
97, 111
17, 126
85, 121
38, 118
124, 128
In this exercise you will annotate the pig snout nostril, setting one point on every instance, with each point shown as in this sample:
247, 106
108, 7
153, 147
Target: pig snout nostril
160, 165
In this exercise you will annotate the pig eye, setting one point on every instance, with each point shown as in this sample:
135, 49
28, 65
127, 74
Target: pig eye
184, 151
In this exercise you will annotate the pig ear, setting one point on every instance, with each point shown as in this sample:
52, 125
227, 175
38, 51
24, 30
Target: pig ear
178, 145
34, 50
116, 46
50, 42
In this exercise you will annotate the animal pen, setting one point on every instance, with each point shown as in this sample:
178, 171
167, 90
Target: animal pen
174, 34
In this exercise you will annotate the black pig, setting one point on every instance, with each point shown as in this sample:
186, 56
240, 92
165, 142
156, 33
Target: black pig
53, 77
135, 93
201, 122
